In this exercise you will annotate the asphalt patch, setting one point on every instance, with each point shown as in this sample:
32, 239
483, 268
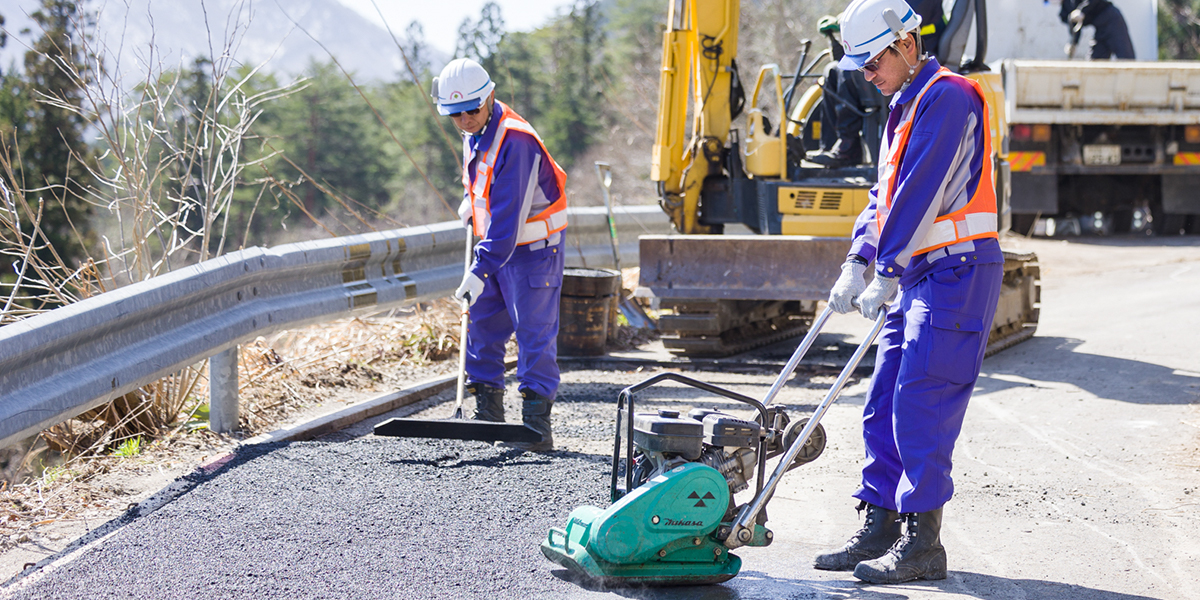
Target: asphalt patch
364, 518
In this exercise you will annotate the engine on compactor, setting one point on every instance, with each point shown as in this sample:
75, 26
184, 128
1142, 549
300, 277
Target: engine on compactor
731, 445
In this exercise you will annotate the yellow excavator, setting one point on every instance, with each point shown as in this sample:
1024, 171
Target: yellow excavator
760, 233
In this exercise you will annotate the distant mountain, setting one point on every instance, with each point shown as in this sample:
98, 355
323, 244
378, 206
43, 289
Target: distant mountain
251, 31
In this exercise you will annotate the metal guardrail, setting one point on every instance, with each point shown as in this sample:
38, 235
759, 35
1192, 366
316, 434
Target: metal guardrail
59, 364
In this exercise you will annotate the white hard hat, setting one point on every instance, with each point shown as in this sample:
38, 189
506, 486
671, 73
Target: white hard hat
463, 85
870, 26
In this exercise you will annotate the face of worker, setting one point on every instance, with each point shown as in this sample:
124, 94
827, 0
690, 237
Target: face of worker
892, 66
473, 124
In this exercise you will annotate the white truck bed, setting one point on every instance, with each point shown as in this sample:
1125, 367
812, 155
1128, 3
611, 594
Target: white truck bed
1102, 92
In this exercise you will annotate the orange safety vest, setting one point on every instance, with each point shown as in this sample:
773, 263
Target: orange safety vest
974, 221
538, 227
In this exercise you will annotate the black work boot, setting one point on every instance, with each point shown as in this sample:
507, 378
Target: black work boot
535, 414
917, 555
844, 153
489, 402
879, 532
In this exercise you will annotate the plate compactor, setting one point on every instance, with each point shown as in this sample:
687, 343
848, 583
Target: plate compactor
674, 519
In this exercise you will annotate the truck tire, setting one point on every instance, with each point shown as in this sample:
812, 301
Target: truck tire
1172, 224
1023, 224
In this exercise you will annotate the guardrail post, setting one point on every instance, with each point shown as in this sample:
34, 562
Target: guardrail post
223, 391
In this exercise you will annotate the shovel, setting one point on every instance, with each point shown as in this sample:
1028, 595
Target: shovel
457, 427
633, 313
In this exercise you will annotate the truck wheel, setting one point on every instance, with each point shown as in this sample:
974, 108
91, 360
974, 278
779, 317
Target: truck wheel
1172, 224
1122, 220
1165, 223
1023, 224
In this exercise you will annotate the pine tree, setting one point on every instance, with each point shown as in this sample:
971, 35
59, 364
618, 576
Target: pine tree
1179, 30
479, 40
329, 139
54, 152
576, 50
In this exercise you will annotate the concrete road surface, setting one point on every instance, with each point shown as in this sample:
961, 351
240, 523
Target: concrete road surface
1077, 477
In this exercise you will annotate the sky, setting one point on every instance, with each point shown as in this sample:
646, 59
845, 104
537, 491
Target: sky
441, 18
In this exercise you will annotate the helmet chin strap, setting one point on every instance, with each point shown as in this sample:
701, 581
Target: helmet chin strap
912, 68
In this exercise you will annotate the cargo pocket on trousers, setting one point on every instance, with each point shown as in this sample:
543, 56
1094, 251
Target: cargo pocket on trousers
546, 277
955, 343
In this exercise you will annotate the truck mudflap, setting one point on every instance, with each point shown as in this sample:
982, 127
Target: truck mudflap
730, 293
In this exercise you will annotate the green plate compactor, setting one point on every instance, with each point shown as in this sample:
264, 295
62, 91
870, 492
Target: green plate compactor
674, 519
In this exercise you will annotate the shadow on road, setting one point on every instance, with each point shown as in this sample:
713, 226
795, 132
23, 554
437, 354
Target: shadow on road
1051, 362
751, 584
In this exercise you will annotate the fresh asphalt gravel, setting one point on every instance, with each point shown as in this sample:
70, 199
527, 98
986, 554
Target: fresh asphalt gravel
364, 518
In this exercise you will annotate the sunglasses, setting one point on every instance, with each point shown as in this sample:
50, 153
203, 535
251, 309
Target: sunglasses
472, 112
873, 66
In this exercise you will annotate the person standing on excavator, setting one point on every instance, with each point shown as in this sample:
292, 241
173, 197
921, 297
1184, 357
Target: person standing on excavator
1112, 34
844, 114
515, 200
930, 228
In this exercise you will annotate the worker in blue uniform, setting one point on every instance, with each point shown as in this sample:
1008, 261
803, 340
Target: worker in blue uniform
847, 96
930, 229
515, 201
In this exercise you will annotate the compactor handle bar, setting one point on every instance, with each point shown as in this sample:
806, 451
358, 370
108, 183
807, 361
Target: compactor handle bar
742, 530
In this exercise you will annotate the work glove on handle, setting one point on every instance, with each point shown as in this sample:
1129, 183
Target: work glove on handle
881, 290
1076, 20
848, 286
470, 288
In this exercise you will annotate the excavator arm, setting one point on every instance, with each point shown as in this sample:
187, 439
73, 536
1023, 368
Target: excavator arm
699, 51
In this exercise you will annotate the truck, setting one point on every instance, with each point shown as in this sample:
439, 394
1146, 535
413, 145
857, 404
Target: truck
1104, 146
1095, 146
760, 232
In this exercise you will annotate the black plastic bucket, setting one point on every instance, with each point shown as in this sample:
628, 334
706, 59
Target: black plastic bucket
583, 312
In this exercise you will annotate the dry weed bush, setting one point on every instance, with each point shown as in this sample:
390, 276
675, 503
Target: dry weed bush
165, 180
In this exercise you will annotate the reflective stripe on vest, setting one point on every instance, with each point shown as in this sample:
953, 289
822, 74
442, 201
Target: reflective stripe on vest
538, 227
974, 221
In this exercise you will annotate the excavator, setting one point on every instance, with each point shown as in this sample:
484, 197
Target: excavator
759, 232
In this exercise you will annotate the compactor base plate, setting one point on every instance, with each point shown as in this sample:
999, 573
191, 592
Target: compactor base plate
597, 572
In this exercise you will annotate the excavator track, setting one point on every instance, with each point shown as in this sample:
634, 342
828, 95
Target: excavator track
715, 328
1019, 307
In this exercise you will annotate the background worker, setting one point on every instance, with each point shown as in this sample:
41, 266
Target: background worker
1112, 34
930, 229
848, 95
515, 201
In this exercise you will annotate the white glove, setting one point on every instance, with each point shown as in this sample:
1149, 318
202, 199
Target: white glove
848, 286
464, 213
881, 290
470, 288
1076, 19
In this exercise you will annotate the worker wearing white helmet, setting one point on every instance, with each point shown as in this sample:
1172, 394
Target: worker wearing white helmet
515, 200
930, 228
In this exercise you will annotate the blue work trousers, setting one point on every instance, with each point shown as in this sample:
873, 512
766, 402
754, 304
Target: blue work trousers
522, 297
929, 355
